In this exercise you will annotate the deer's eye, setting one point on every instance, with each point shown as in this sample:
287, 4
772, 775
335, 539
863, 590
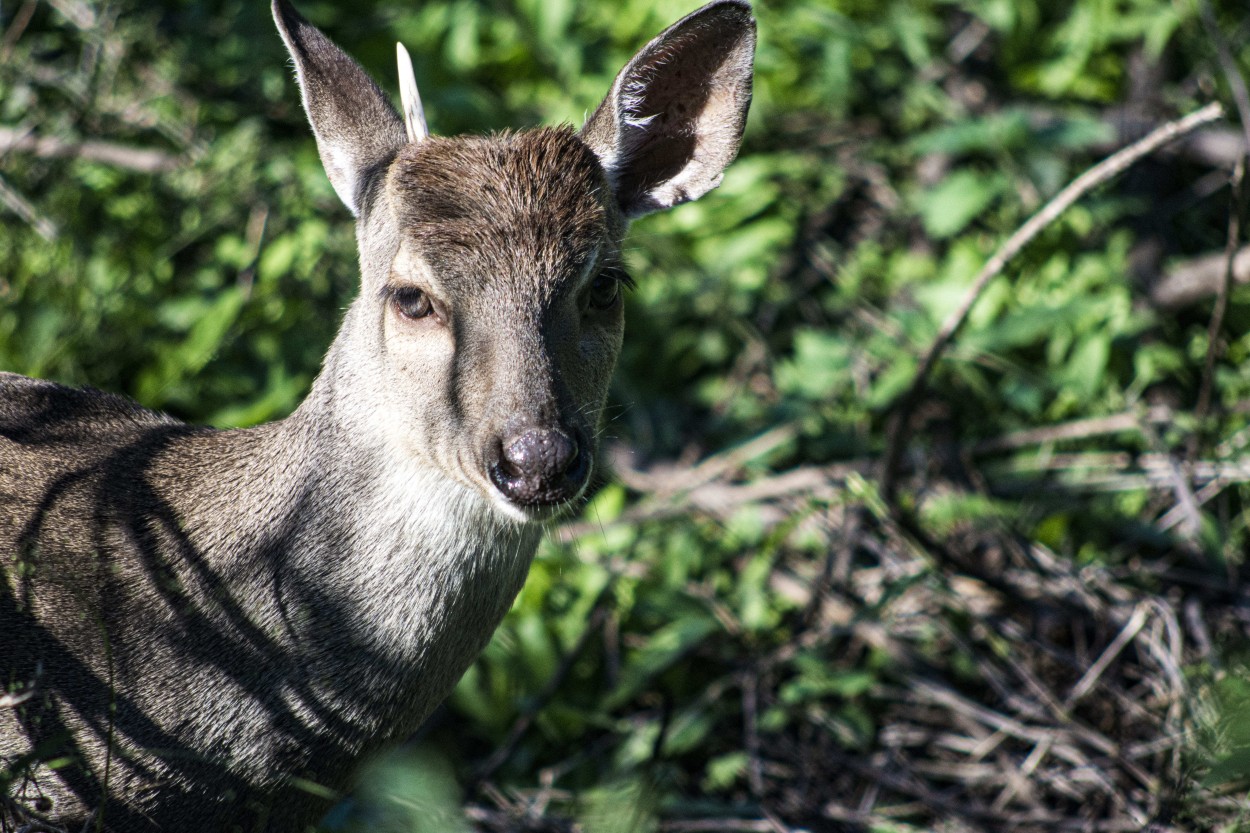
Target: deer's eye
411, 303
606, 288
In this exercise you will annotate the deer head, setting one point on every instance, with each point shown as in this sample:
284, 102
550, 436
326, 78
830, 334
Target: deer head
490, 315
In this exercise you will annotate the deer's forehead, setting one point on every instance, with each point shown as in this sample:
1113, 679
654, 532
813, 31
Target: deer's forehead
532, 203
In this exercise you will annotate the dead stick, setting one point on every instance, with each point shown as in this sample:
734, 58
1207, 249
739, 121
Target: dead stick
1216, 325
1117, 163
1079, 429
142, 160
23, 208
1090, 679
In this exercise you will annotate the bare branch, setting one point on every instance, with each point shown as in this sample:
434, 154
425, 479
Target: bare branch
23, 208
12, 701
1079, 429
1216, 325
1228, 64
1090, 679
76, 12
142, 160
1192, 280
14, 33
1111, 472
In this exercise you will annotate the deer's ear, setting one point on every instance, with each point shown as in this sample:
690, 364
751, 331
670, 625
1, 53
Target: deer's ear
674, 117
358, 131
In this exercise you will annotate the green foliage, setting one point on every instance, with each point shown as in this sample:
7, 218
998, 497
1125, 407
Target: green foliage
1231, 733
891, 147
408, 789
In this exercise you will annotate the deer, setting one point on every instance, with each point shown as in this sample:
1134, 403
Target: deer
197, 624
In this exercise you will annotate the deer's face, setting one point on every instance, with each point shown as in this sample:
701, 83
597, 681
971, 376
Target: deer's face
498, 316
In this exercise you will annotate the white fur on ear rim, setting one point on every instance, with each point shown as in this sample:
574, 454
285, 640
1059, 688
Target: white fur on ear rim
414, 113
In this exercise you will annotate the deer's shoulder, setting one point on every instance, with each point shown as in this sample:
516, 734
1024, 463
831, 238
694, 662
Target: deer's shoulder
38, 412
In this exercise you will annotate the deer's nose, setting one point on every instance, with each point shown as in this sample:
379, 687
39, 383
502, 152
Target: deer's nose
539, 467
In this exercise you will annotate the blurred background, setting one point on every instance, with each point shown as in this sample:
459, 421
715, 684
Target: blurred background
807, 600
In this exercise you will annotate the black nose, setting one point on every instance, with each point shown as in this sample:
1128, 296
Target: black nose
539, 467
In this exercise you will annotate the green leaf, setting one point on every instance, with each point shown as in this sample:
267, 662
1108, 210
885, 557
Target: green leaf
665, 647
996, 132
1088, 364
1232, 767
948, 208
818, 367
188, 357
724, 771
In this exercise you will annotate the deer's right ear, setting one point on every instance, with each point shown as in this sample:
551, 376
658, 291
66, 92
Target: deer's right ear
358, 131
675, 115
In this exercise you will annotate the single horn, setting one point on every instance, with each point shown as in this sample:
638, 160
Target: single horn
414, 113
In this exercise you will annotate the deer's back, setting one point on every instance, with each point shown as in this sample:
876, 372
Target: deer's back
68, 460
67, 463
100, 592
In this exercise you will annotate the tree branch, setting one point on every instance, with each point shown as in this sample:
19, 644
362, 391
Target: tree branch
142, 160
1189, 281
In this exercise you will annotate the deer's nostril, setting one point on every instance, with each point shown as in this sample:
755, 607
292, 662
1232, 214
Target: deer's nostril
540, 466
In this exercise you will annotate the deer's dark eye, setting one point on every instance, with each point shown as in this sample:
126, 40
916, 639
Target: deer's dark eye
603, 292
606, 288
411, 303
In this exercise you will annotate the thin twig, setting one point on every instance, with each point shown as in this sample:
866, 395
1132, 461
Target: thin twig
719, 826
1180, 481
1121, 641
1216, 325
712, 468
1113, 472
750, 720
1182, 511
716, 498
1189, 281
13, 700
1117, 163
76, 12
1080, 429
23, 208
20, 21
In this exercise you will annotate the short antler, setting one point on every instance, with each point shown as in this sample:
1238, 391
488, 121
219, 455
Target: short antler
414, 113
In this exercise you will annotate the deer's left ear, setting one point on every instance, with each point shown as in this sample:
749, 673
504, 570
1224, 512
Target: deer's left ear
674, 117
358, 131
